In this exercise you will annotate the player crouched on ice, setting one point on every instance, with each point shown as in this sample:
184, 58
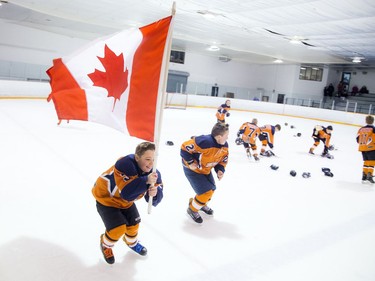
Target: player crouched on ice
266, 136
322, 134
366, 145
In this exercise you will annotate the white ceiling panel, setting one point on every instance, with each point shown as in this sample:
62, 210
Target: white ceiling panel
330, 31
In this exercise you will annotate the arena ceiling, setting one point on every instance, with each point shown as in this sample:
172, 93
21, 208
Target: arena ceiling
327, 32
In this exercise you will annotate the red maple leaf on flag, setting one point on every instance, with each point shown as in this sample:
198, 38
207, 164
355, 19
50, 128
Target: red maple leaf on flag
114, 79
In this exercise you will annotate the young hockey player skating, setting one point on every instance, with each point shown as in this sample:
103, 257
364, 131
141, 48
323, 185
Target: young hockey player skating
115, 191
200, 155
223, 111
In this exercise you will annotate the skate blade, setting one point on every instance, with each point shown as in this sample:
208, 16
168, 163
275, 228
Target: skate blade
367, 182
192, 221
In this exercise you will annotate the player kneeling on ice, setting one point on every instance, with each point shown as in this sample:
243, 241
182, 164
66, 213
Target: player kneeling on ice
200, 155
266, 136
115, 191
366, 145
322, 134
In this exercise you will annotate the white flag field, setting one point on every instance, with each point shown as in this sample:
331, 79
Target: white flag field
114, 80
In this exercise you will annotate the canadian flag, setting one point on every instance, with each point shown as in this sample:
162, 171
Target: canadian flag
114, 80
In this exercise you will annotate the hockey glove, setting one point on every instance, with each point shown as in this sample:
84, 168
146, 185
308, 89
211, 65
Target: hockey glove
239, 141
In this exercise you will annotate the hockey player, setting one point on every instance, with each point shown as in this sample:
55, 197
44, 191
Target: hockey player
323, 134
366, 145
199, 155
249, 131
266, 136
223, 111
115, 191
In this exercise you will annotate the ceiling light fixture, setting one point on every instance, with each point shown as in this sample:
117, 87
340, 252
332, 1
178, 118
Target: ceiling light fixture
356, 60
295, 41
213, 48
278, 61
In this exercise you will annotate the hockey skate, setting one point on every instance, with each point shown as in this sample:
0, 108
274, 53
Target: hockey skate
204, 209
136, 247
107, 252
327, 155
364, 177
194, 215
311, 151
369, 178
267, 153
207, 210
139, 249
248, 153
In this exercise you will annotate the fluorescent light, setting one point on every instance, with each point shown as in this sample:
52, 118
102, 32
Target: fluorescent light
295, 41
278, 61
213, 48
209, 16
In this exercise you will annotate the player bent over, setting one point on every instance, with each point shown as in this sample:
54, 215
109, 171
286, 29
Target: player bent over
249, 131
200, 155
266, 136
115, 191
322, 134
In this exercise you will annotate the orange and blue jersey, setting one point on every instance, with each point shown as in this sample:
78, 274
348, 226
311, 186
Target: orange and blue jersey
206, 152
267, 133
249, 132
123, 183
320, 134
366, 138
222, 112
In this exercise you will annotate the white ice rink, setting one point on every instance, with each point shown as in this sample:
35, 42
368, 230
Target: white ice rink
267, 224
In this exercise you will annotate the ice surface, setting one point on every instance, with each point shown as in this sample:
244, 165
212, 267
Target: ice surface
267, 224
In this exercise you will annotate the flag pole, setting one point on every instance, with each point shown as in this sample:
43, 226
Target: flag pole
161, 96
